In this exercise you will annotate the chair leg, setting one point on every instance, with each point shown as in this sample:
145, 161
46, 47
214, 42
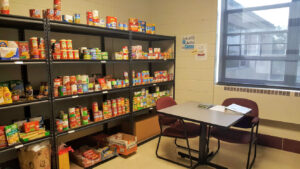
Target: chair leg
189, 150
249, 154
156, 152
183, 147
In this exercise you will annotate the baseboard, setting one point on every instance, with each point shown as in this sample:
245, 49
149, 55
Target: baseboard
279, 143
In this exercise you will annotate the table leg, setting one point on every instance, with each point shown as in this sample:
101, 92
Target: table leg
202, 144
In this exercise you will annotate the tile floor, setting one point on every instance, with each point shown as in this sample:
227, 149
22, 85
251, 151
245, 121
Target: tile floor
232, 156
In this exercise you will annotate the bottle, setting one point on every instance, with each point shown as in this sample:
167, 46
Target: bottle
7, 96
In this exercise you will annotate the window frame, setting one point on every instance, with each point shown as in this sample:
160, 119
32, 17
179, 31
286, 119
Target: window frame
291, 57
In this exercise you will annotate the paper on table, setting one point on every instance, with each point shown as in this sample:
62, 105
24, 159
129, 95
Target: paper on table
218, 108
238, 108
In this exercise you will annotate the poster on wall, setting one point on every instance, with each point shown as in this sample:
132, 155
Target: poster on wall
200, 51
188, 42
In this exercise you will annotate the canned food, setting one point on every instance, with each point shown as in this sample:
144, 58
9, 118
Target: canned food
95, 107
93, 54
55, 91
42, 54
70, 54
68, 89
57, 82
97, 87
76, 54
56, 56
63, 44
66, 80
35, 54
79, 89
4, 7
57, 4
64, 54
89, 18
72, 80
104, 55
61, 90
33, 43
69, 44
35, 13
85, 88
77, 18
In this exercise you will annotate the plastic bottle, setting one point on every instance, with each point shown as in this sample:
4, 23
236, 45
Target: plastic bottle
7, 95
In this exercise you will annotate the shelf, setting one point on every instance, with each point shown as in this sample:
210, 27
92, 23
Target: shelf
88, 61
22, 62
93, 124
22, 104
143, 110
21, 22
153, 84
98, 93
58, 26
20, 145
151, 37
154, 60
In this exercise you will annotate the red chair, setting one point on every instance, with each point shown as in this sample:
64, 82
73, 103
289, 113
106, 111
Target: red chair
251, 120
175, 128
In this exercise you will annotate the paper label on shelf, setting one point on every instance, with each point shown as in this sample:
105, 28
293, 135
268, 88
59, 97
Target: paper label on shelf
19, 146
105, 92
75, 96
18, 62
151, 108
154, 84
103, 61
71, 131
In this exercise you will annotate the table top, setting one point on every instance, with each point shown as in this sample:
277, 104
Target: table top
190, 111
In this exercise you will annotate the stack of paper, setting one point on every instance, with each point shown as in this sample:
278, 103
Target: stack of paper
238, 108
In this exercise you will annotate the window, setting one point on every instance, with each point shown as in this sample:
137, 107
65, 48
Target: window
259, 42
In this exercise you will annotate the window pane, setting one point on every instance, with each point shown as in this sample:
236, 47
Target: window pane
255, 70
236, 4
257, 21
233, 50
273, 50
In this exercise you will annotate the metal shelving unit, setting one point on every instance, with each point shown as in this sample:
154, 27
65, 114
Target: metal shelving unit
23, 23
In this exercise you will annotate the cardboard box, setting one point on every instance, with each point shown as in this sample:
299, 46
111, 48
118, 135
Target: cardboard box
126, 144
145, 127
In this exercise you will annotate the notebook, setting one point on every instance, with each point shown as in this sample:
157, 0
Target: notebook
238, 108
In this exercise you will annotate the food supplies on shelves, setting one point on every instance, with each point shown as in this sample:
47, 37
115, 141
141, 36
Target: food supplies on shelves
14, 91
123, 26
22, 131
80, 115
93, 54
123, 55
115, 107
79, 84
4, 6
23, 50
142, 78
143, 99
111, 22
153, 53
63, 50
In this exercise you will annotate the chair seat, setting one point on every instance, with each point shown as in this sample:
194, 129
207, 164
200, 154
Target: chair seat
232, 135
177, 130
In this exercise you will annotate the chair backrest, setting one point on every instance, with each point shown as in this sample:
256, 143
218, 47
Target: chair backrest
165, 102
162, 103
246, 121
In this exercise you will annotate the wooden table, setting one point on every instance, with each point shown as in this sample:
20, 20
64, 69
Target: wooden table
192, 112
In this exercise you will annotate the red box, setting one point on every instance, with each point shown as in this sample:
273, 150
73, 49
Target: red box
111, 22
133, 24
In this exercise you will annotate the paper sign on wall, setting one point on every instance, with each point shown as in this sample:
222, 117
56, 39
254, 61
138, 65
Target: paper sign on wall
188, 42
200, 51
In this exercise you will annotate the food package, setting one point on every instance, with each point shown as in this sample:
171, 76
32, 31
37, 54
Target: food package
40, 119
111, 22
4, 6
133, 24
24, 50
142, 26
7, 96
57, 15
3, 43
25, 137
1, 96
20, 125
31, 126
36, 156
3, 142
102, 23
85, 156
126, 144
48, 13
7, 53
35, 13
63, 156
67, 18
12, 134
17, 87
